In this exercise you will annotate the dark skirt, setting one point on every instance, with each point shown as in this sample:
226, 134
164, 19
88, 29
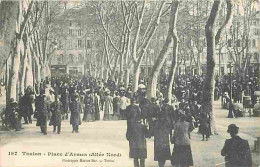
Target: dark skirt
182, 155
162, 154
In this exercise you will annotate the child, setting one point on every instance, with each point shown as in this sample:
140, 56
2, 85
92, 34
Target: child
204, 126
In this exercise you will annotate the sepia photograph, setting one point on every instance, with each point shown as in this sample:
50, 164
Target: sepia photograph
129, 83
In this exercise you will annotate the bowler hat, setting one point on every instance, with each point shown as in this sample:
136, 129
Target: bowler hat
232, 128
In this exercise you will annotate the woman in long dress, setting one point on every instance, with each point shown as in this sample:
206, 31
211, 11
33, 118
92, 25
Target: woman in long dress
108, 106
162, 131
181, 154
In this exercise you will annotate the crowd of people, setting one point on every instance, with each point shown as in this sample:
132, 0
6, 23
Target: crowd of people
60, 98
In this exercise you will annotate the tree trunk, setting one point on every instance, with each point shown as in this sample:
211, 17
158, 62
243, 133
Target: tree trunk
15, 69
174, 58
8, 18
127, 77
102, 65
198, 64
112, 76
106, 74
209, 83
23, 70
152, 84
135, 79
43, 71
29, 71
144, 46
212, 40
37, 75
7, 80
121, 71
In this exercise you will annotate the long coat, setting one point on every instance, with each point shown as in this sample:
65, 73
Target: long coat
89, 107
131, 112
26, 105
116, 106
56, 109
136, 135
75, 108
168, 111
152, 113
161, 141
42, 109
204, 127
181, 130
89, 104
65, 101
237, 152
144, 106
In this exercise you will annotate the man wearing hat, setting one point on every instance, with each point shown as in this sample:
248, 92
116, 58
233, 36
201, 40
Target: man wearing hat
131, 112
26, 106
154, 109
65, 102
236, 150
75, 108
42, 109
136, 135
167, 113
56, 109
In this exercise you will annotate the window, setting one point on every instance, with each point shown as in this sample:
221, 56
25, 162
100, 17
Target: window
222, 70
71, 58
256, 31
79, 33
60, 59
238, 43
70, 31
80, 43
89, 44
254, 23
81, 58
253, 43
70, 23
76, 58
70, 44
229, 43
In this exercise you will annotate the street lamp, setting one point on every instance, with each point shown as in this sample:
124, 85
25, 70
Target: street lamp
230, 114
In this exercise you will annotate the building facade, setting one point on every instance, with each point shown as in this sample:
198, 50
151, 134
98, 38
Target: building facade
76, 41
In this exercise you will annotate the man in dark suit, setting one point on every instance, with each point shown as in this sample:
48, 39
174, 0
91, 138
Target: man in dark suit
136, 135
75, 108
42, 109
236, 150
154, 109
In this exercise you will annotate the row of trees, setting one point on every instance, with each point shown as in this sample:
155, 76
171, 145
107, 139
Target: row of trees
138, 27
26, 43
